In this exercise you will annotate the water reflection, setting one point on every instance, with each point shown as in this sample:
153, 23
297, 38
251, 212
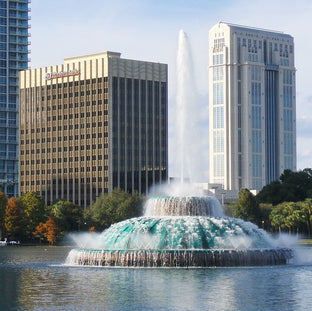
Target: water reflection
47, 285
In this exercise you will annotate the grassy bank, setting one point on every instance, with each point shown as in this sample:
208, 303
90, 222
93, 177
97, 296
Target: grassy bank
305, 241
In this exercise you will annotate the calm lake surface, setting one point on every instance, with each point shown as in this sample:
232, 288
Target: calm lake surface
34, 278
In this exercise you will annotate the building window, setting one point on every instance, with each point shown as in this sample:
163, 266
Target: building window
218, 94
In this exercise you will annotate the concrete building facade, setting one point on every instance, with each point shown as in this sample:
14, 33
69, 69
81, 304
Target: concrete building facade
252, 106
14, 43
92, 124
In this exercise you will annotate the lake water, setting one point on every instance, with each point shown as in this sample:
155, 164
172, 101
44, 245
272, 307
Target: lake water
34, 278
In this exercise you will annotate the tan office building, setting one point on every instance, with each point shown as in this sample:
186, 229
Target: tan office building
92, 124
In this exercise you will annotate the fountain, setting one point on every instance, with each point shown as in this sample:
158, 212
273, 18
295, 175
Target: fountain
173, 234
181, 229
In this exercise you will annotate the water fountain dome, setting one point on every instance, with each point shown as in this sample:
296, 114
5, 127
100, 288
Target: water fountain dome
173, 234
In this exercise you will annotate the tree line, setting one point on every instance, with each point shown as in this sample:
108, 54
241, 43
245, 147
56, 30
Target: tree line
28, 219
283, 205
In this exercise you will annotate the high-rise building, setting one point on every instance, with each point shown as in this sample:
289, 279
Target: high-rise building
92, 124
14, 35
252, 106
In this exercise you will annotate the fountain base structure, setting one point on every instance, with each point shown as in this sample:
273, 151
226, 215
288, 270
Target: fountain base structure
179, 258
159, 240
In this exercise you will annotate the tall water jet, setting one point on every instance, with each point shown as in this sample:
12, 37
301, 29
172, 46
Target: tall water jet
186, 110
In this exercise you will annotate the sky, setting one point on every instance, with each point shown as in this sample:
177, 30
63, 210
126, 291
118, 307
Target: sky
148, 30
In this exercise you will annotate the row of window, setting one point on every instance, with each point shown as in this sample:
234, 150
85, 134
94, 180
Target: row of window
218, 165
253, 58
70, 105
256, 165
8, 165
255, 93
287, 96
59, 128
71, 137
61, 160
218, 73
218, 117
22, 5
82, 181
218, 93
75, 83
287, 77
288, 143
255, 73
87, 125
218, 43
288, 119
256, 141
218, 141
75, 94
60, 170
77, 115
256, 117
43, 150
218, 59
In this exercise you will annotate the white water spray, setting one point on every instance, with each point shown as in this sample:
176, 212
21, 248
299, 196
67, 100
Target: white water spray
186, 117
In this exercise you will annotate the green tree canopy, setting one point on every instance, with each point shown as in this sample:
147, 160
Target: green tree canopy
34, 211
288, 215
67, 215
291, 187
247, 207
117, 206
306, 209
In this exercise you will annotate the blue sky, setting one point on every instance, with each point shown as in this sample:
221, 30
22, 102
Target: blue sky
148, 30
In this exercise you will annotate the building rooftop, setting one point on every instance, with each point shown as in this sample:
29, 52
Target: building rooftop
255, 29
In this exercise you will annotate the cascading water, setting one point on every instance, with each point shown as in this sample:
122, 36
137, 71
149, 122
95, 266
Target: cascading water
183, 206
181, 230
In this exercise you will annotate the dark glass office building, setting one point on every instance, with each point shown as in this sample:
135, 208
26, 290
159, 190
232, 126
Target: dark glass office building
14, 35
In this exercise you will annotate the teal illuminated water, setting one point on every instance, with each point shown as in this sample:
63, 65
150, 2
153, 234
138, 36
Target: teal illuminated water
34, 278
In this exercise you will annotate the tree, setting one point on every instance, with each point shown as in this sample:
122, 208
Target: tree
3, 204
52, 230
271, 193
288, 215
34, 211
306, 207
247, 207
40, 231
67, 215
291, 187
116, 206
277, 218
49, 230
13, 217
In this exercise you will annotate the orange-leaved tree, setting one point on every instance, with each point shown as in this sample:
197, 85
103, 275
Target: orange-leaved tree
40, 231
52, 230
13, 217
